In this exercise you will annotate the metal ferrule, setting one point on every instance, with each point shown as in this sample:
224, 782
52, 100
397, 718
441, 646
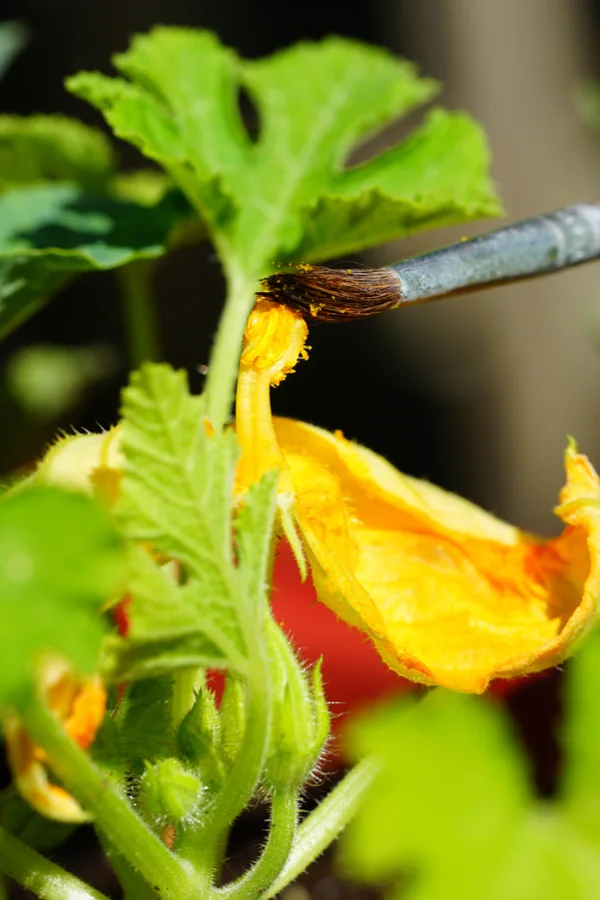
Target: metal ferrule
532, 247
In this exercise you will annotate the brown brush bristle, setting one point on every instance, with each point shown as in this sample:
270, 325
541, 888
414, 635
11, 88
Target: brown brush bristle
334, 295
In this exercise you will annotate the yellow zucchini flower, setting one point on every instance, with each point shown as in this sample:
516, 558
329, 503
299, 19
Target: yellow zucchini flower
449, 594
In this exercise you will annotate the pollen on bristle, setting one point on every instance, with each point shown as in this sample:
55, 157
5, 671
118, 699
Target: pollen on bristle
334, 295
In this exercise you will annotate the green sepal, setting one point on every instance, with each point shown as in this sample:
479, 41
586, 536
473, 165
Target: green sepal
322, 716
290, 531
300, 719
199, 737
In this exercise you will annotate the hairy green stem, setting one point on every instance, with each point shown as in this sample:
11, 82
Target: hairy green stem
205, 845
44, 878
185, 685
139, 312
133, 885
225, 355
244, 775
326, 822
284, 816
110, 809
241, 285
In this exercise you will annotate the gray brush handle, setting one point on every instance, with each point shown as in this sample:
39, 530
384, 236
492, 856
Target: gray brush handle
532, 247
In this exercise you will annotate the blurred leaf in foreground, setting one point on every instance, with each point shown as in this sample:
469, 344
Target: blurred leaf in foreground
453, 813
60, 560
50, 232
64, 210
48, 380
587, 103
40, 148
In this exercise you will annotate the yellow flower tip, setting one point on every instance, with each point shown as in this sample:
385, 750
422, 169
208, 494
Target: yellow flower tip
31, 778
449, 594
582, 481
80, 706
274, 340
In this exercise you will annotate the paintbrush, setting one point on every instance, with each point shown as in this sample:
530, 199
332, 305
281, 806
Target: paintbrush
526, 249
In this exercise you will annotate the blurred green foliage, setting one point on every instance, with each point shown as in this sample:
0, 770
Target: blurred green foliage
47, 380
453, 813
13, 38
60, 558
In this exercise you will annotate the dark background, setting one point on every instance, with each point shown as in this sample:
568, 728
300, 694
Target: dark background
476, 394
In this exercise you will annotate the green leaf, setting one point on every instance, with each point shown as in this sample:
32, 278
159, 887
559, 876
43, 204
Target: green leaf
164, 632
548, 861
176, 498
51, 232
139, 729
60, 559
254, 524
53, 148
451, 813
285, 195
435, 177
13, 38
452, 791
580, 787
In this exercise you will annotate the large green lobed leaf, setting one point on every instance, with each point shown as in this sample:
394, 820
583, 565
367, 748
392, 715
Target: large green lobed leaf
290, 194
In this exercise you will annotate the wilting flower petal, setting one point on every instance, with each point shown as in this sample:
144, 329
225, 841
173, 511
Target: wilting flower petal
449, 594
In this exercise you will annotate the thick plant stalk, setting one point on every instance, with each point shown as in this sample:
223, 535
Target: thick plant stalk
109, 808
225, 355
284, 814
44, 878
326, 823
139, 312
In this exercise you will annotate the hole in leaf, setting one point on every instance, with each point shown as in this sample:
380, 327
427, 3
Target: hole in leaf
248, 114
383, 139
